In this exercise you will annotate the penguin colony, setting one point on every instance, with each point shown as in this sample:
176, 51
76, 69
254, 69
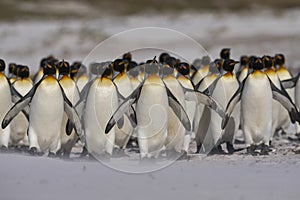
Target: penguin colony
156, 108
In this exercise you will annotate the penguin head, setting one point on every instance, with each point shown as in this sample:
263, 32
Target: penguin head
258, 64
131, 65
49, 68
134, 72
183, 68
225, 53
74, 68
63, 68
171, 61
22, 71
47, 59
267, 61
244, 60
197, 63
205, 60
252, 59
127, 56
163, 57
2, 65
167, 70
152, 66
105, 69
228, 65
12, 68
279, 59
219, 64
120, 65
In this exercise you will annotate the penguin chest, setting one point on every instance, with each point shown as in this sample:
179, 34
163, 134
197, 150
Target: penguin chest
152, 110
5, 96
257, 104
46, 108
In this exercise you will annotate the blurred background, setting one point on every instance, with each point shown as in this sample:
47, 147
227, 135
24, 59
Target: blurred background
70, 29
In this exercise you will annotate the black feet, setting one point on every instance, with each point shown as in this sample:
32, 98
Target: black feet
198, 148
34, 152
51, 155
3, 149
230, 148
251, 150
217, 150
264, 150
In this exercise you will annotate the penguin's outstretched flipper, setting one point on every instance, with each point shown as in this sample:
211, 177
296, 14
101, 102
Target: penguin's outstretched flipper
178, 110
20, 106
125, 107
73, 117
285, 100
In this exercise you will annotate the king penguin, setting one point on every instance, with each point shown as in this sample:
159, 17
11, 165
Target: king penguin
271, 73
101, 103
6, 102
224, 88
124, 87
47, 103
256, 94
70, 88
283, 74
19, 124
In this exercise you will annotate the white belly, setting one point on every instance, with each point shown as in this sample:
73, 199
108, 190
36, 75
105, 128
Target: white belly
72, 94
125, 88
102, 101
152, 118
46, 113
256, 108
176, 131
5, 105
222, 93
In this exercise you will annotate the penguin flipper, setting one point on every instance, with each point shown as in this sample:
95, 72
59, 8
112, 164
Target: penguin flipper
285, 100
207, 100
290, 83
178, 110
20, 105
124, 107
72, 115
211, 87
14, 111
132, 117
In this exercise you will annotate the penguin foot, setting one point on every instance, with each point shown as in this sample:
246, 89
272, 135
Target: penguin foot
230, 148
264, 150
33, 151
198, 148
51, 155
3, 149
251, 150
217, 151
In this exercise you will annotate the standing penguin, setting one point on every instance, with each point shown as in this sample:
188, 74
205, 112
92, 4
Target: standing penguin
271, 73
19, 124
223, 89
47, 103
70, 88
79, 75
176, 131
124, 87
283, 74
6, 102
153, 98
101, 102
201, 72
256, 94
